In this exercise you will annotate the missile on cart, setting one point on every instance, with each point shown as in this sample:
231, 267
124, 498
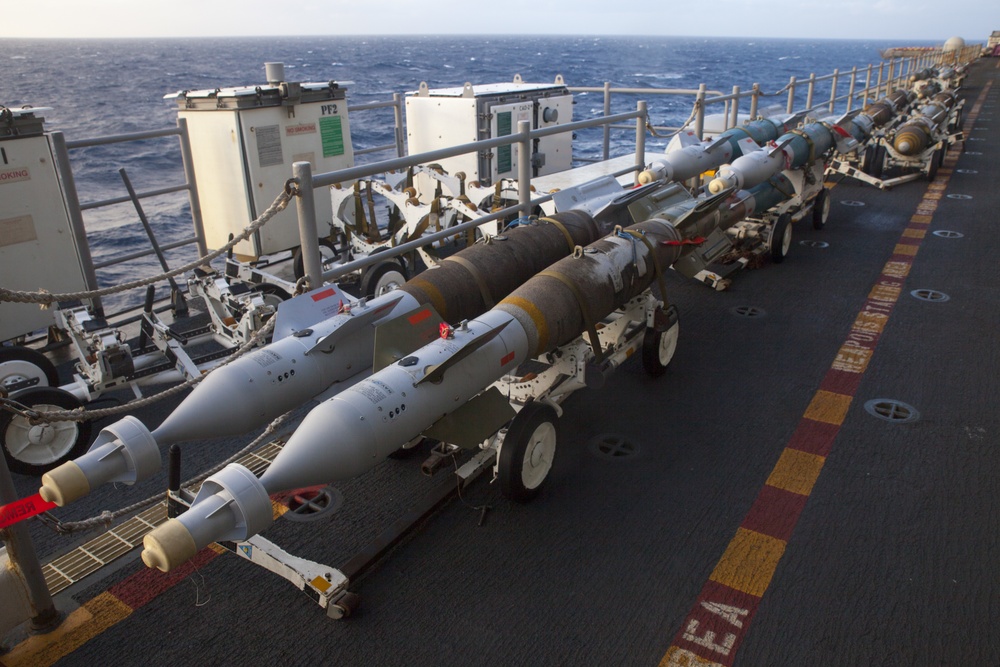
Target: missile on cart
915, 135
329, 347
878, 114
688, 157
349, 433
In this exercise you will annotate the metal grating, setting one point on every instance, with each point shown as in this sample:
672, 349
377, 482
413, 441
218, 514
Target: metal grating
68, 569
891, 410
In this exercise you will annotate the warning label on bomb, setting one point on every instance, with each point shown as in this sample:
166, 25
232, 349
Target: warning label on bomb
374, 390
265, 358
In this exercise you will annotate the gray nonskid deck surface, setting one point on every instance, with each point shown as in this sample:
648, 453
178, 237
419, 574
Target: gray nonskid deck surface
891, 561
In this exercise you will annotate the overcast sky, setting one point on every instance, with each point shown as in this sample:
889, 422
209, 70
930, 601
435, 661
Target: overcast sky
897, 20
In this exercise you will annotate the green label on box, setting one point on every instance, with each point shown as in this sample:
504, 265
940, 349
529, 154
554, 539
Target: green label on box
331, 131
504, 161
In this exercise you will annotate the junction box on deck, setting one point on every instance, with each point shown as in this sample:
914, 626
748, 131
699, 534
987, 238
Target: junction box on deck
445, 117
38, 245
243, 143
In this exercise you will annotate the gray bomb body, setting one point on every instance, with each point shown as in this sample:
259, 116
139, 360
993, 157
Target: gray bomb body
794, 149
697, 158
251, 391
351, 432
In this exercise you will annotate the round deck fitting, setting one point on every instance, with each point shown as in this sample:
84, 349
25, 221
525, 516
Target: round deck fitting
313, 504
891, 410
929, 295
948, 234
748, 312
959, 196
613, 446
852, 202
814, 244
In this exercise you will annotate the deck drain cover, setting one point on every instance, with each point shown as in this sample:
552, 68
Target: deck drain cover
814, 244
929, 295
959, 196
969, 153
749, 312
852, 202
613, 446
891, 410
313, 503
948, 234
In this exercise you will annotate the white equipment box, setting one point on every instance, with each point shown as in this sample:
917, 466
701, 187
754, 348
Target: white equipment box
38, 249
447, 117
243, 144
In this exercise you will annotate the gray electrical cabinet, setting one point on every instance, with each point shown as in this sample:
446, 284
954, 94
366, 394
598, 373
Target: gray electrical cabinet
243, 144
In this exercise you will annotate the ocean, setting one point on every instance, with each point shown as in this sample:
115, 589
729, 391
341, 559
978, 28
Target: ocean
102, 87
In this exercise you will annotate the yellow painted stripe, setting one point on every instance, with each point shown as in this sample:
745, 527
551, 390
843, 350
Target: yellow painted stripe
828, 407
749, 562
536, 316
921, 219
851, 359
886, 292
796, 471
903, 249
681, 657
432, 292
897, 269
915, 233
870, 322
278, 509
79, 627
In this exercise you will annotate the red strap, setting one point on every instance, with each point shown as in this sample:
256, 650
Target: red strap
698, 240
19, 510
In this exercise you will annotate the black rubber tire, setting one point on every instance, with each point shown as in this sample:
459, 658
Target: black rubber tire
530, 432
778, 245
653, 350
821, 209
327, 253
936, 160
22, 363
874, 160
14, 430
375, 279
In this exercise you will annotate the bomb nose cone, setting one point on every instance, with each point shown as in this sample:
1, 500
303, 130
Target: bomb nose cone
168, 546
903, 147
717, 185
646, 176
64, 484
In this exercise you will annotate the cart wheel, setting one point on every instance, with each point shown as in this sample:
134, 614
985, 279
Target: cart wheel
20, 364
36, 449
327, 255
527, 452
272, 294
936, 159
658, 349
821, 209
781, 238
383, 277
874, 160
345, 605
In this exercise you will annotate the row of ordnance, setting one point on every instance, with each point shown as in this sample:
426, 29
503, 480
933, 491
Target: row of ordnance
579, 308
